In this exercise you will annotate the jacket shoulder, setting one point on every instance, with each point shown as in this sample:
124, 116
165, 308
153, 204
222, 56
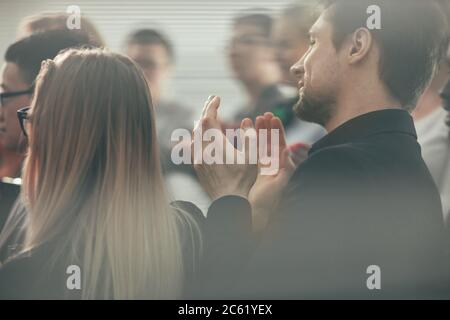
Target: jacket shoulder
32, 275
336, 160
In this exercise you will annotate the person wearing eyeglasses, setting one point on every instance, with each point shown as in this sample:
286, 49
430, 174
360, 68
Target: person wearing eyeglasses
15, 93
253, 64
22, 64
253, 57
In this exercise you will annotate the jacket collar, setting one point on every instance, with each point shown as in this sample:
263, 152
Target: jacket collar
375, 122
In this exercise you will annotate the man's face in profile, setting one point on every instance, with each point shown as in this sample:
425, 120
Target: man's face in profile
291, 43
318, 74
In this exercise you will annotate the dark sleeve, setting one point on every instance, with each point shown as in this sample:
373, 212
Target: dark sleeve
227, 243
297, 252
17, 280
311, 245
12, 235
32, 276
8, 196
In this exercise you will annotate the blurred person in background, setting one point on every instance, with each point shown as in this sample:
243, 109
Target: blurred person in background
11, 158
9, 187
252, 60
46, 21
432, 131
154, 53
93, 193
445, 173
22, 64
291, 40
291, 37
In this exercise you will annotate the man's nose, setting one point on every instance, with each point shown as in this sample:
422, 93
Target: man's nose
298, 69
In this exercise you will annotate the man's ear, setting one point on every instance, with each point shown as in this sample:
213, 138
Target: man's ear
360, 46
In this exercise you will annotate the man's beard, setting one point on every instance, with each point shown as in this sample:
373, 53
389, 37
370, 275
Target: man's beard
313, 110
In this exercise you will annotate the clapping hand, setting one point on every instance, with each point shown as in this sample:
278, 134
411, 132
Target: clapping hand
266, 192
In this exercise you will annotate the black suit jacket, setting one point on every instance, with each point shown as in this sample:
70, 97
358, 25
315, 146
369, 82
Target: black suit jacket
8, 195
363, 198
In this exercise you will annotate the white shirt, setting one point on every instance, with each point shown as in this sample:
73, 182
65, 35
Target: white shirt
433, 137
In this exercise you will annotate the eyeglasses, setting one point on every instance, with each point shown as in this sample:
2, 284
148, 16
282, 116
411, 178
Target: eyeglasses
6, 95
22, 114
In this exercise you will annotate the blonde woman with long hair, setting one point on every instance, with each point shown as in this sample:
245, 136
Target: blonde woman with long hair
93, 201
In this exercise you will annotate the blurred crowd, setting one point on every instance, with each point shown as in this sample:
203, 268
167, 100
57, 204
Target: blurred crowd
261, 51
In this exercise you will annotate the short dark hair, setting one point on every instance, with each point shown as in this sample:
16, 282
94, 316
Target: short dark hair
255, 17
29, 52
45, 21
151, 36
412, 40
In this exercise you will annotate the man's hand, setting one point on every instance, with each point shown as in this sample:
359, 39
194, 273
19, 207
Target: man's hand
223, 179
266, 193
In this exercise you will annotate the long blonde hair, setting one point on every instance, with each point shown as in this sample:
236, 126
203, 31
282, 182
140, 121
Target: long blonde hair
93, 175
